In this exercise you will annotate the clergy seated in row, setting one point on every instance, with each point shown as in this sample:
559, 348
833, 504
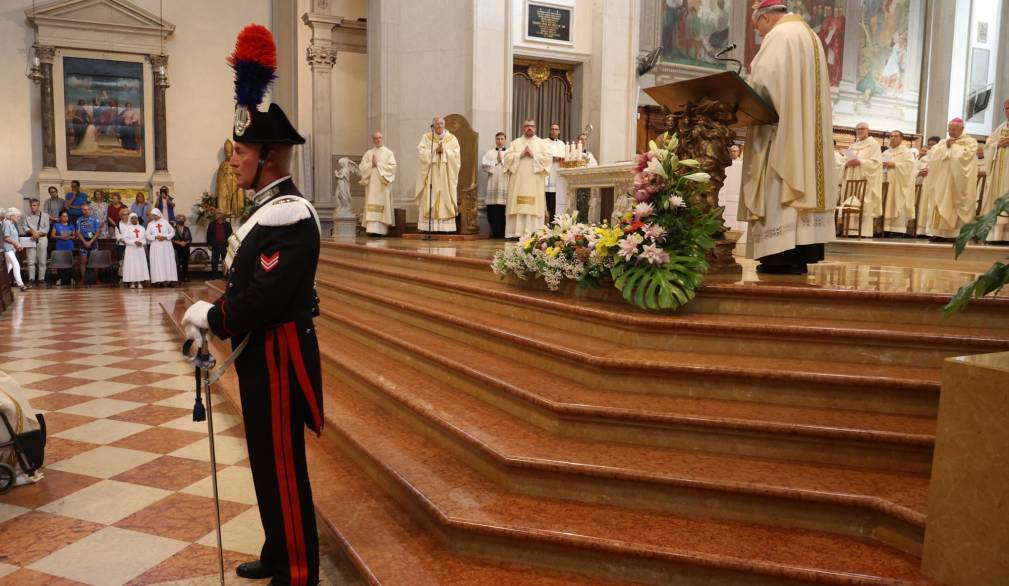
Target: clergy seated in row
950, 184
864, 160
527, 163
496, 199
996, 156
789, 183
378, 171
438, 164
900, 169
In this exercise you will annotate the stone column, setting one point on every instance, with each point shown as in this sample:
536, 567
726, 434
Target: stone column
158, 64
49, 175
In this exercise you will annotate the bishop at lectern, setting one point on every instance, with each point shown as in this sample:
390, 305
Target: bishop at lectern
788, 170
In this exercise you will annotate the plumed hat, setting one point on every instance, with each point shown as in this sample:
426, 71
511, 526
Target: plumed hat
255, 65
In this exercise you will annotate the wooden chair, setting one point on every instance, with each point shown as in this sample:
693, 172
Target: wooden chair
913, 231
851, 205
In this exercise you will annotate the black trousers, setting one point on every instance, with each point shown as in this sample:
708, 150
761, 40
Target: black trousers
496, 219
217, 253
182, 262
800, 255
551, 205
274, 410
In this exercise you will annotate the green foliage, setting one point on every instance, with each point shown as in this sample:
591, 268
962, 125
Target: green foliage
994, 278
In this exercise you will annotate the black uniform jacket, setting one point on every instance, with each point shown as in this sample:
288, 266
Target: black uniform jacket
271, 290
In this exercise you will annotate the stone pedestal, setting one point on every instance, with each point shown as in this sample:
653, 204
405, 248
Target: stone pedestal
967, 534
344, 227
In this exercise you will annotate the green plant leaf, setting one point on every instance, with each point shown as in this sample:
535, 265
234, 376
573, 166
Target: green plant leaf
981, 225
992, 280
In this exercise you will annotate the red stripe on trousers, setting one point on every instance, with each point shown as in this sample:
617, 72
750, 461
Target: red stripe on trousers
302, 374
299, 563
278, 445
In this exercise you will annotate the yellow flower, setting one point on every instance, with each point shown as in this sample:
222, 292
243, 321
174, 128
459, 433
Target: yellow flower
552, 252
528, 245
628, 216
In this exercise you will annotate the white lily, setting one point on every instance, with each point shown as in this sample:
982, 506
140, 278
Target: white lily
699, 177
690, 163
655, 168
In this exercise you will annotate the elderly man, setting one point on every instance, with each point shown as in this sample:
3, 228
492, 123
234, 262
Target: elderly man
900, 169
997, 185
864, 161
555, 185
378, 171
36, 227
438, 164
788, 173
12, 243
527, 163
496, 197
951, 183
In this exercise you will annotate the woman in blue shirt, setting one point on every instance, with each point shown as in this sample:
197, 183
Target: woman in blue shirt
141, 208
64, 234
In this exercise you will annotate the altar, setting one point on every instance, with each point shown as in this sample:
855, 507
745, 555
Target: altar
599, 192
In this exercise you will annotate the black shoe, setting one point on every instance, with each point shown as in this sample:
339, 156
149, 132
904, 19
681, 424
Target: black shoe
793, 269
255, 570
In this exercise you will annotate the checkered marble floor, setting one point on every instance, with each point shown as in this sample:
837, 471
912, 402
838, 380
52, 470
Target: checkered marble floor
126, 493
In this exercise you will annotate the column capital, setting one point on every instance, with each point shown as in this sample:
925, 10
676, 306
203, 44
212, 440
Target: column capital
320, 56
45, 53
343, 33
159, 63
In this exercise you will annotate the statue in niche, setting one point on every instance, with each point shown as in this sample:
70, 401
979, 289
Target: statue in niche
345, 169
230, 197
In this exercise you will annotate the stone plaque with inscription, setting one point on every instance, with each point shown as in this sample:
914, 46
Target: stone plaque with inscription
548, 22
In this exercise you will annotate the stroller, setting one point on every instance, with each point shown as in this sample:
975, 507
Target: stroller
22, 436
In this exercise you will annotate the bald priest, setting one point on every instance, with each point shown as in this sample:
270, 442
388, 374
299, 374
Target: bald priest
789, 184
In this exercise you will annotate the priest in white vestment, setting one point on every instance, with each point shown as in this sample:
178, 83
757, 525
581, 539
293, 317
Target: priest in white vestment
864, 161
788, 173
900, 169
527, 164
951, 183
438, 163
555, 186
996, 154
162, 253
587, 156
839, 161
496, 195
378, 171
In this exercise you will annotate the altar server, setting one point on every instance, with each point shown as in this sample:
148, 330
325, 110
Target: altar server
996, 154
497, 185
900, 168
378, 171
159, 235
865, 161
951, 183
788, 173
134, 236
527, 163
555, 185
438, 164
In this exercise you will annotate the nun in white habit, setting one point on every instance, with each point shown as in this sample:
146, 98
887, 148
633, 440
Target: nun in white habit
134, 257
159, 234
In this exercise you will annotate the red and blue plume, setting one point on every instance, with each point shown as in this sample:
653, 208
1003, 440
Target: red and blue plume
255, 64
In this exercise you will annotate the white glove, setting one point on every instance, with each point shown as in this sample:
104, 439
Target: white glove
195, 321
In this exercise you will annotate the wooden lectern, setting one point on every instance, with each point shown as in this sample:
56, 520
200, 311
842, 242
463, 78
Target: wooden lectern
703, 113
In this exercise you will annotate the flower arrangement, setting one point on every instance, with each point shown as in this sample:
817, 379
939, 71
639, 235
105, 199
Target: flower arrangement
206, 209
654, 254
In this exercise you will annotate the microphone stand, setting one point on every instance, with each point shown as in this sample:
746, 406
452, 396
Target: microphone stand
430, 191
718, 57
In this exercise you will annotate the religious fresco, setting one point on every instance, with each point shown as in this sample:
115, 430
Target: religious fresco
882, 52
693, 31
103, 102
828, 21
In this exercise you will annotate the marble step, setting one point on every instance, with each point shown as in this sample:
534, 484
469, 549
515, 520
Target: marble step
820, 339
889, 507
481, 517
599, 362
721, 294
560, 405
386, 546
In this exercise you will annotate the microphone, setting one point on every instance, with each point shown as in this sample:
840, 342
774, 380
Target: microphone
731, 47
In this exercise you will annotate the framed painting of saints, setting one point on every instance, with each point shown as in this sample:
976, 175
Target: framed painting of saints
826, 18
104, 108
693, 31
